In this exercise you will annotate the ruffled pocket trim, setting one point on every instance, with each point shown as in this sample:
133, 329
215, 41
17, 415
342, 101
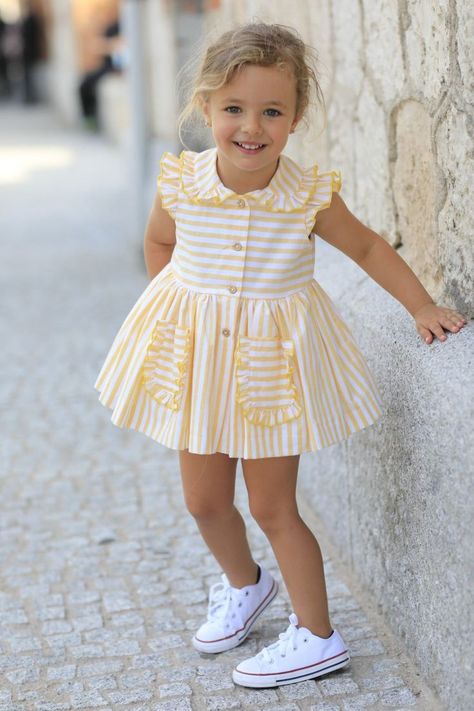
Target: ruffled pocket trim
163, 372
255, 413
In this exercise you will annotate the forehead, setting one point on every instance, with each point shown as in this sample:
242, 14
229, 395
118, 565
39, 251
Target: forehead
263, 84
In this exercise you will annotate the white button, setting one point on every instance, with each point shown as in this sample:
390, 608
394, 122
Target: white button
232, 289
225, 332
237, 246
241, 203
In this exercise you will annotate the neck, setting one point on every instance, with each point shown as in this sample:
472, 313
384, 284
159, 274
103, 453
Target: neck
241, 182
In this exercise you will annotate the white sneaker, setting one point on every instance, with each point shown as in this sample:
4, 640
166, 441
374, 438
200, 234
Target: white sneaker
298, 655
232, 612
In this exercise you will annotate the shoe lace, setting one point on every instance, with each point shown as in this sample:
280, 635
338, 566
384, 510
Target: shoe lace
286, 640
220, 599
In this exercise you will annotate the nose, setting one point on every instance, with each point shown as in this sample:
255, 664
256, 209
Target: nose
251, 124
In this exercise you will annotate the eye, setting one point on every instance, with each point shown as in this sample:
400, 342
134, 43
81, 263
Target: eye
230, 109
275, 112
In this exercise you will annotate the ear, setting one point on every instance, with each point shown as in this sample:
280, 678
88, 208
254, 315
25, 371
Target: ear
205, 108
294, 123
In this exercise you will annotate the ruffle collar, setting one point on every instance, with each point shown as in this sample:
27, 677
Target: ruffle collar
290, 188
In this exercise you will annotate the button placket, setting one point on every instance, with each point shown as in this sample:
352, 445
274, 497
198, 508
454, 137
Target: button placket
237, 246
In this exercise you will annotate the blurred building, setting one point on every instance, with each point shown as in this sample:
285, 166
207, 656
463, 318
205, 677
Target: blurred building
70, 47
24, 50
76, 32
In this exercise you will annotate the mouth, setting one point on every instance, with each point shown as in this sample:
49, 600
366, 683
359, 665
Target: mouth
249, 148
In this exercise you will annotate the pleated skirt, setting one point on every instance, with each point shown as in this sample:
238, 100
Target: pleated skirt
247, 377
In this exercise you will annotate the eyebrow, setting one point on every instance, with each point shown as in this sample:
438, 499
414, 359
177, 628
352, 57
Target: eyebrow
239, 101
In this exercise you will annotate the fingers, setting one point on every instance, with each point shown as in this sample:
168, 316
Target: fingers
425, 334
455, 317
449, 320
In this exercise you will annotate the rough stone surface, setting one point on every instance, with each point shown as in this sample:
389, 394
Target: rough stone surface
427, 41
348, 79
382, 49
414, 184
455, 134
92, 532
465, 32
370, 166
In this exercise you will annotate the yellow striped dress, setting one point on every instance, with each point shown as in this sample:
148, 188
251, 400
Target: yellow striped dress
234, 347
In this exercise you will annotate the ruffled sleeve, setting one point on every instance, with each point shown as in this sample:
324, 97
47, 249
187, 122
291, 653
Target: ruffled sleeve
169, 181
324, 186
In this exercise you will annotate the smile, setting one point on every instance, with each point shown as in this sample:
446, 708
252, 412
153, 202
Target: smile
250, 147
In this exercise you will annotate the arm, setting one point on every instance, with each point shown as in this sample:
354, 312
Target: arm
160, 239
338, 226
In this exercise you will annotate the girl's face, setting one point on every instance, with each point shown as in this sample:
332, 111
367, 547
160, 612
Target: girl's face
251, 118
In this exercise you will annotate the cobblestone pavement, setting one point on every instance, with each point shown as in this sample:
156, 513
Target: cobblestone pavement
103, 576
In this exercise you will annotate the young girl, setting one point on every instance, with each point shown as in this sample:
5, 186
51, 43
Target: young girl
235, 351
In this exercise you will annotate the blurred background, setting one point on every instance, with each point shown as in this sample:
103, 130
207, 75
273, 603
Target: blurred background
103, 66
109, 67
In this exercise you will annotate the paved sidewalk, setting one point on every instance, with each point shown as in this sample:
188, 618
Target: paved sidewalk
103, 575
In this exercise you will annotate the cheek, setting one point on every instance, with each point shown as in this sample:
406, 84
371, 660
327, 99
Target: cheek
282, 132
225, 127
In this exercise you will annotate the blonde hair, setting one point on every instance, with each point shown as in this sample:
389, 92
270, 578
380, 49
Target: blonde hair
254, 43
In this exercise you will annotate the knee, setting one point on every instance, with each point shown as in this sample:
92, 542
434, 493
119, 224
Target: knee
272, 517
205, 510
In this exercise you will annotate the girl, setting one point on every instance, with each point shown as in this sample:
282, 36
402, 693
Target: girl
235, 351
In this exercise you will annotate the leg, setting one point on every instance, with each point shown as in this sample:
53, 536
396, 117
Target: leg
88, 92
29, 93
87, 96
271, 485
209, 487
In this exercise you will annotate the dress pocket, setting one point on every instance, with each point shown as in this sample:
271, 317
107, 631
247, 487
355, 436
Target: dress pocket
266, 389
166, 361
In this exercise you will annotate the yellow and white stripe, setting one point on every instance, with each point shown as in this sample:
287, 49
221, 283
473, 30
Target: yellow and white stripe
234, 347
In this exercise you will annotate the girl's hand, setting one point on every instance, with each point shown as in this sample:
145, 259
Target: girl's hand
431, 319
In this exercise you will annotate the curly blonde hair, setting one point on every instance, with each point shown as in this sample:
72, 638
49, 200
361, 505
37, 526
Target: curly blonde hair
254, 43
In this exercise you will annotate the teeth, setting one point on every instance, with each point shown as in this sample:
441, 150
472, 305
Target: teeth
250, 148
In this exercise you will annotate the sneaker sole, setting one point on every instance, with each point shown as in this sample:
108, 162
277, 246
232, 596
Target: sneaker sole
223, 645
294, 675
